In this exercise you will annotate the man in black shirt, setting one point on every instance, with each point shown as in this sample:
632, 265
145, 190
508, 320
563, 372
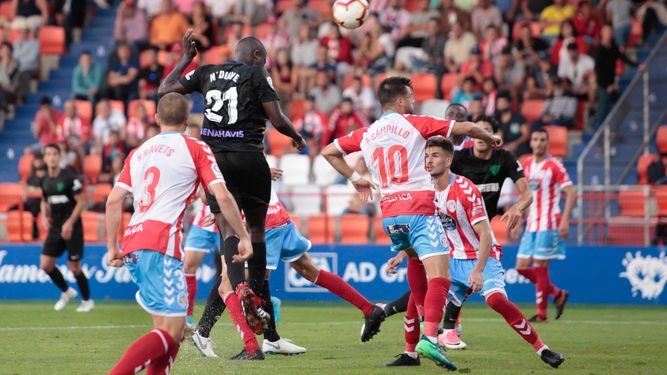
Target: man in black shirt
239, 99
62, 203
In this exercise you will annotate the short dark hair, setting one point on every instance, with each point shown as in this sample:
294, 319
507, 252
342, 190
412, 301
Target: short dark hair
173, 109
456, 111
393, 87
45, 100
540, 130
442, 142
490, 120
53, 146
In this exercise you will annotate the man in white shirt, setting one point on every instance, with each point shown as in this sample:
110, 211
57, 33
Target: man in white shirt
107, 119
579, 69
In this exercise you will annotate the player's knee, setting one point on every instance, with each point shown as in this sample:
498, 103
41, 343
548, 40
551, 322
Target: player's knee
46, 267
75, 267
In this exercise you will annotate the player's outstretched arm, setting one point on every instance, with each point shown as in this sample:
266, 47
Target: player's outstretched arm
171, 83
335, 158
113, 213
515, 213
483, 230
473, 131
283, 124
230, 211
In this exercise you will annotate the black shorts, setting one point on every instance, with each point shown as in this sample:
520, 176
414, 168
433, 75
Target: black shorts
247, 177
55, 245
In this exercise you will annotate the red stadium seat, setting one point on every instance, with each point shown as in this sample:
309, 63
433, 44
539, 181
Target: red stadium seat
322, 6
499, 228
414, 5
661, 200
297, 108
99, 193
52, 40
354, 229
283, 5
25, 167
532, 109
642, 167
661, 139
278, 143
85, 110
7, 10
321, 229
92, 167
118, 105
10, 195
19, 226
424, 86
632, 203
149, 104
447, 84
263, 30
557, 140
380, 236
92, 226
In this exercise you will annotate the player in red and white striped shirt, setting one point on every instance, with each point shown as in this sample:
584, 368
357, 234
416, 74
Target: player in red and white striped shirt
163, 175
546, 228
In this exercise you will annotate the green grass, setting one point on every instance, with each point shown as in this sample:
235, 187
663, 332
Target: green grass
595, 340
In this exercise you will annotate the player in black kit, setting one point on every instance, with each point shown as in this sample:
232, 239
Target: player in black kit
62, 203
239, 99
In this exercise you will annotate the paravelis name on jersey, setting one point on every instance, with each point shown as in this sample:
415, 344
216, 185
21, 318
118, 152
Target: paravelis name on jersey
156, 148
388, 129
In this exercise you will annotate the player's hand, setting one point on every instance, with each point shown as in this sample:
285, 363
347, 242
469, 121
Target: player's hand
245, 251
189, 47
210, 220
364, 187
299, 143
475, 280
513, 216
276, 174
515, 233
393, 263
45, 222
66, 231
497, 141
564, 229
114, 257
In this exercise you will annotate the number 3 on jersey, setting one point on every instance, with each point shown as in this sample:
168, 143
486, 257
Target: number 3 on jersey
218, 99
396, 155
151, 179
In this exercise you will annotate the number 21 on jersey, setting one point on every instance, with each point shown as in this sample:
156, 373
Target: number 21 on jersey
392, 164
218, 99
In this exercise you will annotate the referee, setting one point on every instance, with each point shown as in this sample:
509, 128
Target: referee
62, 203
239, 99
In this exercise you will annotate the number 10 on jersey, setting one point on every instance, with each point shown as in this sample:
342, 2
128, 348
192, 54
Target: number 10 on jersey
395, 156
218, 99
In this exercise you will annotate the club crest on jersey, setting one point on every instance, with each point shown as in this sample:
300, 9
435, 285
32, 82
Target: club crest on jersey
60, 186
451, 206
494, 169
448, 223
534, 184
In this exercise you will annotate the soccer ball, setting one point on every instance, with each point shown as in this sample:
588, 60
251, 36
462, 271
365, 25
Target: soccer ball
350, 13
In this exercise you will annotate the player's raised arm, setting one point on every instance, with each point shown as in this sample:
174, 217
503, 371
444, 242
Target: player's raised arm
473, 131
334, 153
172, 83
283, 124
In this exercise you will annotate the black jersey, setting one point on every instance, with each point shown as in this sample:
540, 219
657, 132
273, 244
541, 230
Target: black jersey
234, 119
488, 175
59, 193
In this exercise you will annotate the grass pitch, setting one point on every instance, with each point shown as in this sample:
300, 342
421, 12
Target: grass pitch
34, 339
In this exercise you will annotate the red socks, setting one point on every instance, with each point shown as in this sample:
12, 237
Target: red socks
151, 347
543, 290
248, 336
411, 327
418, 283
191, 280
515, 318
434, 304
164, 364
339, 287
528, 273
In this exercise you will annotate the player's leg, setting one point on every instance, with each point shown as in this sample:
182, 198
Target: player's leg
411, 332
198, 243
460, 270
75, 254
550, 246
398, 305
212, 312
53, 248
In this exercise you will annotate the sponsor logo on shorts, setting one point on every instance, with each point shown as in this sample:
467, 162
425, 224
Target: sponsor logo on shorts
647, 274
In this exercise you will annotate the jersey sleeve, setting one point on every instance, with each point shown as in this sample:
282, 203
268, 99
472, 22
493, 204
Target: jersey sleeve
561, 176
263, 86
430, 126
513, 167
125, 177
77, 187
473, 202
351, 142
207, 168
192, 81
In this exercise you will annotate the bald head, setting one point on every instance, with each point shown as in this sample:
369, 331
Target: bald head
251, 51
173, 110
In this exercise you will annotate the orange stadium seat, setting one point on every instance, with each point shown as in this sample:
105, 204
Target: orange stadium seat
13, 35
424, 86
661, 199
92, 224
447, 84
25, 166
499, 228
557, 140
278, 143
118, 105
354, 228
263, 30
297, 108
52, 40
321, 229
92, 167
283, 5
661, 139
99, 192
10, 195
17, 232
85, 110
414, 5
216, 55
380, 236
532, 109
149, 104
642, 167
297, 222
632, 203
322, 6
7, 10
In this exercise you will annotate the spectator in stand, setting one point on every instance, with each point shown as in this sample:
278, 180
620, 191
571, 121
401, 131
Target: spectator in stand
657, 175
70, 14
417, 29
150, 76
327, 95
343, 121
220, 9
489, 92
529, 45
465, 94
510, 70
539, 80
362, 97
304, 54
26, 53
458, 47
138, 124
513, 126
619, 12
450, 14
396, 19
131, 25
235, 34
492, 44
606, 54
284, 78
202, 28
339, 48
152, 7
33, 12
46, 122
475, 67
532, 9
312, 126
122, 77
185, 6
434, 47
323, 64
653, 15
86, 78
106, 120
375, 51
568, 34
578, 69
475, 108
168, 26
73, 130
112, 148
561, 108
32, 194
151, 132
586, 22
254, 12
485, 14
552, 16
9, 74
297, 15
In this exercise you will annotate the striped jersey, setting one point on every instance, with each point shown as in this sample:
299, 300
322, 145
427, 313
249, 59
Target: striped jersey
202, 211
460, 207
276, 215
163, 175
546, 180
